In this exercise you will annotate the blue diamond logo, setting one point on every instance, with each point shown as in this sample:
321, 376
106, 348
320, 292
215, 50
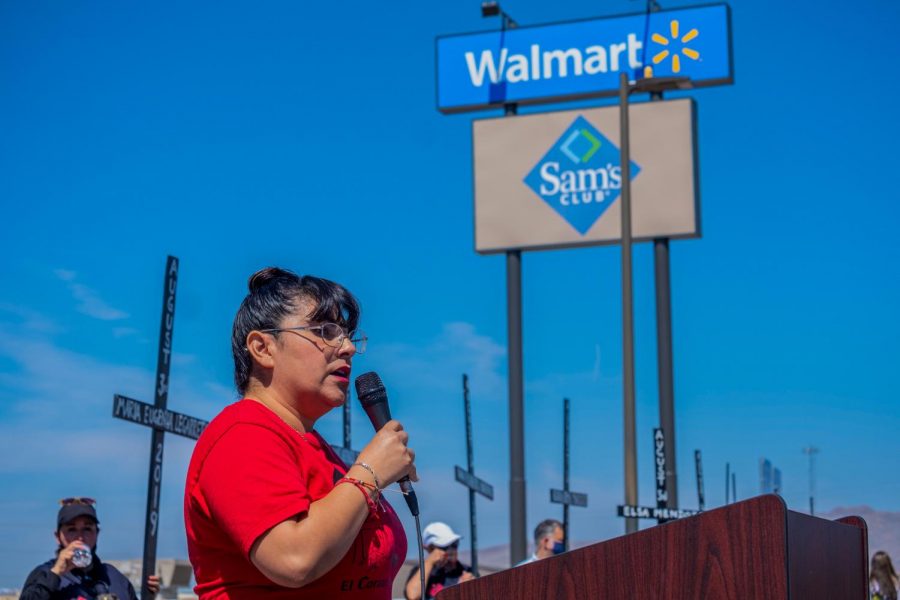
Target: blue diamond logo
580, 176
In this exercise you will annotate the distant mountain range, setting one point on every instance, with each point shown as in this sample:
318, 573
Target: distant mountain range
884, 534
884, 528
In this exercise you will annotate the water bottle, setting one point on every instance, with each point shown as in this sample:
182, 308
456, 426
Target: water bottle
81, 557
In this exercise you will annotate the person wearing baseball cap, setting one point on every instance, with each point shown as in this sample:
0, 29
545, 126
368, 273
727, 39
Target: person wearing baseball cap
442, 567
77, 573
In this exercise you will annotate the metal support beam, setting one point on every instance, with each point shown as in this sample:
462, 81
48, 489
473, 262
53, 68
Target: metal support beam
664, 363
518, 544
630, 426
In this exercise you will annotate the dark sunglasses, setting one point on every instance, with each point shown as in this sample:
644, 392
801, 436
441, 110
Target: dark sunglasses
77, 500
453, 546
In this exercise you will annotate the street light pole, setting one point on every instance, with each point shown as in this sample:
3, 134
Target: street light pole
518, 543
630, 427
653, 85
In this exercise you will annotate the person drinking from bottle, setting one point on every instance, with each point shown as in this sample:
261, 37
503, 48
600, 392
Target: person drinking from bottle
77, 571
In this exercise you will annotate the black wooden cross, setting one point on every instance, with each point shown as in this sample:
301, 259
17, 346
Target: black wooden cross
467, 478
662, 512
698, 466
564, 496
659, 458
727, 482
160, 419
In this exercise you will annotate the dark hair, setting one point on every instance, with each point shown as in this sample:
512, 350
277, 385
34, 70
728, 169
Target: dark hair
545, 528
276, 293
884, 575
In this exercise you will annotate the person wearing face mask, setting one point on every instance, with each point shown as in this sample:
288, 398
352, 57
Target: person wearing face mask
77, 572
549, 539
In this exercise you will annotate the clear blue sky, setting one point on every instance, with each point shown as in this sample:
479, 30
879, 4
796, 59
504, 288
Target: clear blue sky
236, 136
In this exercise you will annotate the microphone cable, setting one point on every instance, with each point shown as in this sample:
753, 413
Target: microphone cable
421, 554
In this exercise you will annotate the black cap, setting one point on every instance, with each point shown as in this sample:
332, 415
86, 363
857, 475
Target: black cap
70, 512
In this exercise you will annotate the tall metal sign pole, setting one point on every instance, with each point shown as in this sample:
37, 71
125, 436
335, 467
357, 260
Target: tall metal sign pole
631, 488
564, 496
664, 364
468, 478
518, 543
566, 469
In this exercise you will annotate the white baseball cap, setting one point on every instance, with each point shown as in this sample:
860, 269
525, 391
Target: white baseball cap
439, 534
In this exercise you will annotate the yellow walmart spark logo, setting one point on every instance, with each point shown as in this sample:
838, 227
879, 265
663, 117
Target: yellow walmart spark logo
676, 57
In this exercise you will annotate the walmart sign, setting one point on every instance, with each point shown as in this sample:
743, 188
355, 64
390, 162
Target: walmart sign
582, 59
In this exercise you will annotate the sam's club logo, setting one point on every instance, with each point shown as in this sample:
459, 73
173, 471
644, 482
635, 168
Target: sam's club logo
580, 176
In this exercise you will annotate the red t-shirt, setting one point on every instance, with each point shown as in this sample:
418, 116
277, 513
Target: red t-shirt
250, 471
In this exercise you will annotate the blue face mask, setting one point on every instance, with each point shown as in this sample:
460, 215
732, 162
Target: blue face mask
558, 548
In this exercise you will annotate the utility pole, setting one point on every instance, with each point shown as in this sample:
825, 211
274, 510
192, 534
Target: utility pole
811, 452
727, 483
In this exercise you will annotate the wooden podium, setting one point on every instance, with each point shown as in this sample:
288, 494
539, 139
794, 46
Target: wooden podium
752, 550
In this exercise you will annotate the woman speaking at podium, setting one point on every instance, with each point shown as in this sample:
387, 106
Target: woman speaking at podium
270, 510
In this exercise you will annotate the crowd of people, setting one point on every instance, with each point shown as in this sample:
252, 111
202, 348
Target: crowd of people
270, 510
77, 573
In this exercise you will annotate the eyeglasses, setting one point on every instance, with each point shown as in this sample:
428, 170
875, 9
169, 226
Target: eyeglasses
331, 333
77, 500
453, 546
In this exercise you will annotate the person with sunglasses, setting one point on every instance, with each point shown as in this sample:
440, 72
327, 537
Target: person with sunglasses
270, 510
442, 566
77, 572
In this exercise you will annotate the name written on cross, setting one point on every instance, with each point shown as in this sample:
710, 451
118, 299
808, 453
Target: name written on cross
148, 415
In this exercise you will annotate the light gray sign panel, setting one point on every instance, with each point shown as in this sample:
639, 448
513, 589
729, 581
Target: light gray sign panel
553, 180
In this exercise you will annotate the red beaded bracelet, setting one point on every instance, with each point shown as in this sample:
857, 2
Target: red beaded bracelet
364, 488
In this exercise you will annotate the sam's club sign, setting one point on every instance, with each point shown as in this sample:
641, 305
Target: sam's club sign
580, 176
582, 59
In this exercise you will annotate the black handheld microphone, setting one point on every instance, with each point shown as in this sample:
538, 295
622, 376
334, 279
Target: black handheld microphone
373, 397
